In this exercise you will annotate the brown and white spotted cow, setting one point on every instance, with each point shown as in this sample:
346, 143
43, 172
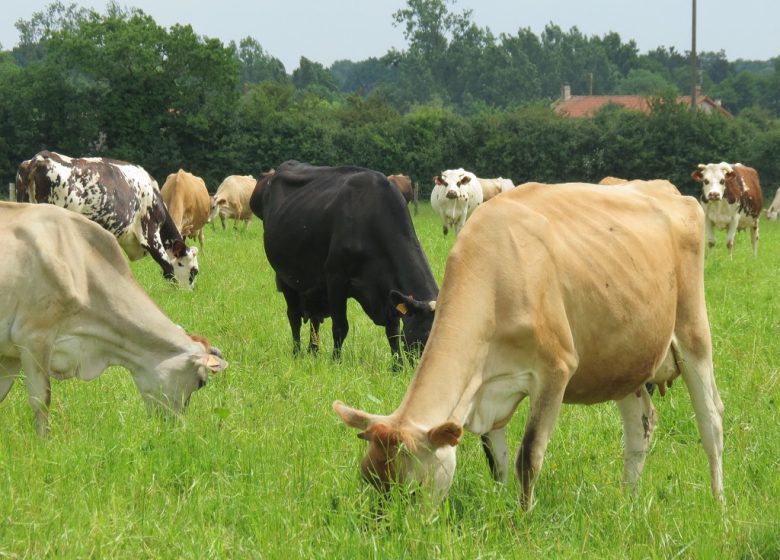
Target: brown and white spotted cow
121, 197
732, 200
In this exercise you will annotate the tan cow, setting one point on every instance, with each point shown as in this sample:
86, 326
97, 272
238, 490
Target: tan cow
232, 200
404, 184
560, 310
609, 180
188, 202
774, 208
494, 187
70, 307
732, 200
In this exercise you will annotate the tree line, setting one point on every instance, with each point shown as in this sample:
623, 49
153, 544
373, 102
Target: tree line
119, 85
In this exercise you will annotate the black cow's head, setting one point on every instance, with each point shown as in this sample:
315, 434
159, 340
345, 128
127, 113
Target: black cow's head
417, 318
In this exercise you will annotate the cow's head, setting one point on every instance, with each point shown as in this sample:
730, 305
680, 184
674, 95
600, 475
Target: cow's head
417, 318
455, 182
214, 211
170, 385
409, 456
774, 208
185, 263
717, 181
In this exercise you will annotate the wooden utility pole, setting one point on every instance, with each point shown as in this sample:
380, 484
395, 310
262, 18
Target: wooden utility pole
694, 71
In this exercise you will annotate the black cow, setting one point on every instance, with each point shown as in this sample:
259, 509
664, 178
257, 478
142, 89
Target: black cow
333, 233
121, 197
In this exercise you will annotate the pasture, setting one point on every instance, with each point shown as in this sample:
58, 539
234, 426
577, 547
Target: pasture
261, 467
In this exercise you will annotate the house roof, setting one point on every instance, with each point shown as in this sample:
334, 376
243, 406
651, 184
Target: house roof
587, 105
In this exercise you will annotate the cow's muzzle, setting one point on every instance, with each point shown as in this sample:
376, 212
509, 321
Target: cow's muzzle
451, 194
713, 195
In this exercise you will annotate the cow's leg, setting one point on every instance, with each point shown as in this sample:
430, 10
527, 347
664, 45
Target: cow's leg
9, 369
545, 406
222, 219
314, 335
393, 333
709, 233
337, 298
696, 364
732, 232
445, 230
494, 446
294, 316
754, 237
638, 423
36, 380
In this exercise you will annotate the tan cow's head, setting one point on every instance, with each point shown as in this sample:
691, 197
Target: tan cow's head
409, 456
718, 182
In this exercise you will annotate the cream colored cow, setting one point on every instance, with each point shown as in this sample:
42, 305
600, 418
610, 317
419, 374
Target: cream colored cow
774, 208
70, 307
232, 200
560, 310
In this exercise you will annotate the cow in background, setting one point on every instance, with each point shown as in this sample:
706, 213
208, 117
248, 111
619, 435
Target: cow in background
188, 202
774, 208
404, 184
455, 196
70, 307
333, 233
121, 197
732, 200
494, 187
232, 200
609, 180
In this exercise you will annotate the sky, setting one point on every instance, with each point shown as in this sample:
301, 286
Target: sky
328, 30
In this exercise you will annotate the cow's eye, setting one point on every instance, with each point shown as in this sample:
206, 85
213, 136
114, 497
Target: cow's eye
706, 181
722, 181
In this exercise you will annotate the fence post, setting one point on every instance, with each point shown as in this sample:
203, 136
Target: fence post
12, 192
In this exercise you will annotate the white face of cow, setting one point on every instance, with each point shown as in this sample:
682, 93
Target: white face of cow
168, 387
713, 177
454, 182
185, 264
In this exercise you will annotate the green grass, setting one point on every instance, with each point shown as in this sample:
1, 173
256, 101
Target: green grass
260, 467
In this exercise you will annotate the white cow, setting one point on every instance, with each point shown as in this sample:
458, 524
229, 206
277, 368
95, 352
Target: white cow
558, 310
774, 208
70, 307
455, 196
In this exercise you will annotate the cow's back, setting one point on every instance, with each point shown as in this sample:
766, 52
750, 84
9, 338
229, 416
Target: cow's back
604, 286
187, 199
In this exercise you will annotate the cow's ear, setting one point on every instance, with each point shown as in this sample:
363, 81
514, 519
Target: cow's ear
465, 179
179, 248
697, 176
448, 433
438, 179
213, 362
353, 417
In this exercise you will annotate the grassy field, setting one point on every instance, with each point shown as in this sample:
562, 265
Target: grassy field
260, 466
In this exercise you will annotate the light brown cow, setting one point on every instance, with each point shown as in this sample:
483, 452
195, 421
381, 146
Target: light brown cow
188, 202
528, 314
404, 184
609, 180
732, 200
232, 200
494, 187
70, 307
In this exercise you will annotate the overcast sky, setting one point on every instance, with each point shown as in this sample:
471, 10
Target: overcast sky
330, 30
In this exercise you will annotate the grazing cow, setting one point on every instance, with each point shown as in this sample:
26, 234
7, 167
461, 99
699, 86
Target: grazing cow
527, 314
232, 200
774, 208
404, 184
494, 187
333, 233
119, 196
732, 200
188, 203
70, 307
455, 196
609, 180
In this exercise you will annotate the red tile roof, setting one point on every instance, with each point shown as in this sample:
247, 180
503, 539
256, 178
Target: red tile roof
587, 105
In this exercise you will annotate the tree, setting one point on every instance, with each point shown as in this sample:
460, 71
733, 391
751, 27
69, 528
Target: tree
256, 65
